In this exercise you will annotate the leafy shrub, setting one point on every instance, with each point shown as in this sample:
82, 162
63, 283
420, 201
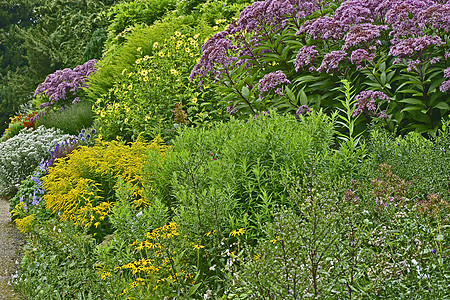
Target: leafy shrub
135, 13
20, 155
94, 47
81, 186
148, 99
283, 55
58, 264
341, 242
423, 161
69, 120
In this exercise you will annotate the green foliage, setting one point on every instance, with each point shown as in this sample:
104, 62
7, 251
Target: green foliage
70, 120
237, 169
94, 47
156, 95
341, 242
58, 264
416, 158
118, 58
137, 13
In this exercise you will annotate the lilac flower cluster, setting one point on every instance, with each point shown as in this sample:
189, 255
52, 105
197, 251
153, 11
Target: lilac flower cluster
302, 110
445, 86
367, 102
272, 81
305, 57
359, 56
331, 61
222, 50
362, 34
437, 16
406, 48
65, 83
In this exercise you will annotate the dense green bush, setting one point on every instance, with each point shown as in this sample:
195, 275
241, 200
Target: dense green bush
413, 157
70, 120
137, 13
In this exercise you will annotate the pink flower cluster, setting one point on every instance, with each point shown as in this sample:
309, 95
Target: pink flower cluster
62, 83
305, 57
272, 81
367, 102
445, 86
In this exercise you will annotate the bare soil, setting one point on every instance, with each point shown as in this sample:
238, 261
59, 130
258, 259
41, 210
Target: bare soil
11, 244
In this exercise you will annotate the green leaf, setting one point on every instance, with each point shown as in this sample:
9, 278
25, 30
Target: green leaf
412, 108
245, 92
194, 288
442, 105
413, 101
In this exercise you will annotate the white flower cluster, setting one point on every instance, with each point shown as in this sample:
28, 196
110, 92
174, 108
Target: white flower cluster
21, 154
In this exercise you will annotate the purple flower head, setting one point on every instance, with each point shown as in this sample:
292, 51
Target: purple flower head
272, 81
352, 12
59, 85
362, 34
359, 56
406, 48
447, 73
305, 57
324, 28
433, 251
302, 110
331, 61
367, 102
445, 86
436, 16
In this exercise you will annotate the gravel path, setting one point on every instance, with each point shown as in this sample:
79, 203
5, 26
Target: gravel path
11, 243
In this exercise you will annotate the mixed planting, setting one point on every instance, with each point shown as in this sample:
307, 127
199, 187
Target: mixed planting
234, 150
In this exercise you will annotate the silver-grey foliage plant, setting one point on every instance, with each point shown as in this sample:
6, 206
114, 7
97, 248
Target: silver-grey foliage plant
20, 154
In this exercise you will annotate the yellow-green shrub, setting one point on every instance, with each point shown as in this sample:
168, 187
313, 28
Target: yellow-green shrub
144, 99
81, 187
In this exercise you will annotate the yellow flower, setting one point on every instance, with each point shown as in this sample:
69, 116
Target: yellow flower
138, 61
105, 275
126, 120
144, 72
161, 54
179, 44
197, 246
155, 45
174, 72
196, 36
238, 232
130, 87
139, 49
145, 78
177, 33
194, 100
215, 28
187, 50
124, 71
